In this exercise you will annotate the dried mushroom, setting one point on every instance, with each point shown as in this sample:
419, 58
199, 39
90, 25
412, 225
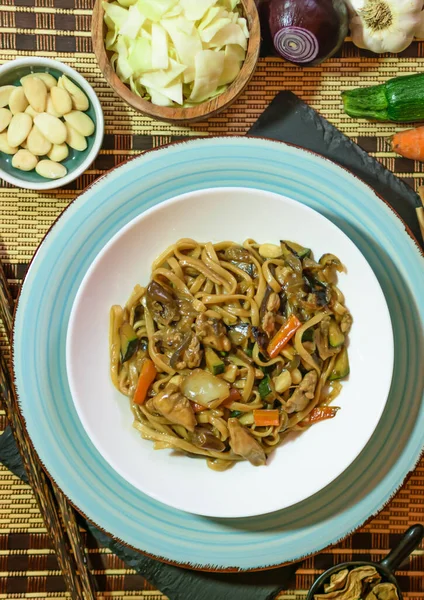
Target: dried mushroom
383, 591
359, 583
353, 588
337, 581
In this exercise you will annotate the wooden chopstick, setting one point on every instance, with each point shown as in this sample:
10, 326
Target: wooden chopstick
59, 517
420, 210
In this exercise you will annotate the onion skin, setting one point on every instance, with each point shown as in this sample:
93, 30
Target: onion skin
306, 32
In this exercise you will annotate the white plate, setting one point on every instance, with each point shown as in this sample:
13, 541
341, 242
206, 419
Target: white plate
305, 463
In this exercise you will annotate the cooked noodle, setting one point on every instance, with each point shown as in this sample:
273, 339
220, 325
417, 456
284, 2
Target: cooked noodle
229, 348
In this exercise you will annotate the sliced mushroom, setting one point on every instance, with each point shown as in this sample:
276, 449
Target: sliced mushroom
204, 438
183, 345
261, 338
303, 394
244, 444
238, 254
162, 303
175, 407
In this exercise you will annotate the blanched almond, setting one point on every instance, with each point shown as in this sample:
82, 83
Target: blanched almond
30, 111
50, 169
74, 139
61, 100
19, 128
36, 92
37, 143
17, 100
270, 251
79, 99
5, 91
58, 152
5, 118
51, 127
48, 80
4, 145
50, 108
81, 122
24, 160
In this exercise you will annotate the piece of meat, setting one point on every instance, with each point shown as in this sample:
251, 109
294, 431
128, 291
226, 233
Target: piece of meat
243, 444
192, 355
212, 332
303, 394
175, 407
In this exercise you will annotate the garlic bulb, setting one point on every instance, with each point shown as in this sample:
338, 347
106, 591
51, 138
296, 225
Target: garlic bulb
384, 25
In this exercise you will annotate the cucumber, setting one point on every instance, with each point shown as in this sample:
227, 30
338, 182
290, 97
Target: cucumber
213, 362
129, 341
335, 336
400, 99
341, 366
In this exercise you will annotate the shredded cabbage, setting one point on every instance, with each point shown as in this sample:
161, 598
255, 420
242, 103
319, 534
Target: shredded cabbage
176, 52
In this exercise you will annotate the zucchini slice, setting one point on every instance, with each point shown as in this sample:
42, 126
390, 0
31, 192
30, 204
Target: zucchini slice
335, 336
213, 362
129, 341
266, 389
341, 366
297, 249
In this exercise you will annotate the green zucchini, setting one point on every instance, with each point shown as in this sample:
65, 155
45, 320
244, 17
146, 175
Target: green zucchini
129, 341
234, 414
266, 389
308, 335
213, 362
297, 249
341, 366
400, 99
335, 336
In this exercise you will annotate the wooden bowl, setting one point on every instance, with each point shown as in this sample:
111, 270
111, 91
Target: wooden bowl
171, 114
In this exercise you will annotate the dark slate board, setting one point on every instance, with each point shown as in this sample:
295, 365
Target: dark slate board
289, 119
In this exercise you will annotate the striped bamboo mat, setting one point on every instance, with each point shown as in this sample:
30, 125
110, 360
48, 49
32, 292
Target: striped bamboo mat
61, 29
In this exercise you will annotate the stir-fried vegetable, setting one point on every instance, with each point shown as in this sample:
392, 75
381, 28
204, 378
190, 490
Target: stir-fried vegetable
264, 418
147, 377
321, 413
237, 357
204, 388
176, 52
283, 336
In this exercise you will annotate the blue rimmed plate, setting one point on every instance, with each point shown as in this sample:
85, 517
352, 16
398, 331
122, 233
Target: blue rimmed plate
39, 354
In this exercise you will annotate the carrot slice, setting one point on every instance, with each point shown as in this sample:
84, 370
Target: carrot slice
320, 413
283, 336
264, 418
197, 407
147, 377
409, 143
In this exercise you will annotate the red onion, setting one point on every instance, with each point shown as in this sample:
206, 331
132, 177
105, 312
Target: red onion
307, 32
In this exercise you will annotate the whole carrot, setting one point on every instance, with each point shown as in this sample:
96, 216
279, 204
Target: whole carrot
409, 143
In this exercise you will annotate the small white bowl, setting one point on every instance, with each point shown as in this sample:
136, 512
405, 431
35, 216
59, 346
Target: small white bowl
304, 463
77, 162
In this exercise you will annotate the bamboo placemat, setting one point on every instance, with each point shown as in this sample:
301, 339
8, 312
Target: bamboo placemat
61, 29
